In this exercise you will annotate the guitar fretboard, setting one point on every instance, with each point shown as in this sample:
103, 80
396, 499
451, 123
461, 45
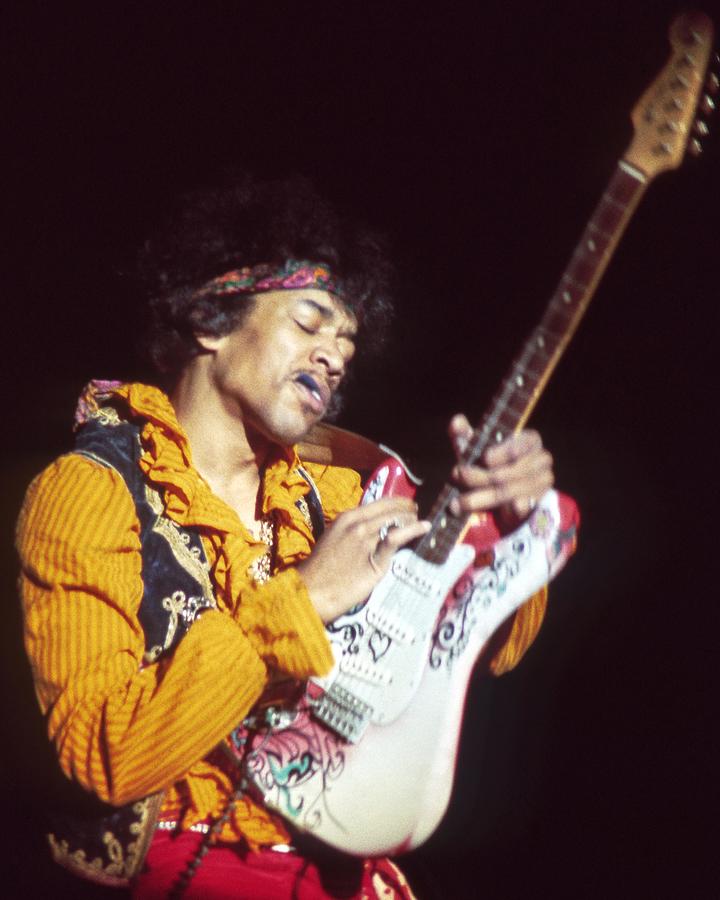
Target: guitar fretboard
521, 389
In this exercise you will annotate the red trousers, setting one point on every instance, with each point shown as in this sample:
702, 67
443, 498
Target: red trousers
228, 871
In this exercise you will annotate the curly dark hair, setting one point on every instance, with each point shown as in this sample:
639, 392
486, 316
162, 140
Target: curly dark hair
243, 221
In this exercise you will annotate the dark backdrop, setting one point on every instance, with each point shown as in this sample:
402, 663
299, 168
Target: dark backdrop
480, 139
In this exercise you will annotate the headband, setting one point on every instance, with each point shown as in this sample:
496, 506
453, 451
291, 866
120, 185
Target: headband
294, 274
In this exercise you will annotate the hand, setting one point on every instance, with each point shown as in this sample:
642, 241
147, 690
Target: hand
514, 476
352, 556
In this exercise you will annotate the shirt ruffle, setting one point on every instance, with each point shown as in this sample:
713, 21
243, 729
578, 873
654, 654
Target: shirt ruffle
166, 461
189, 501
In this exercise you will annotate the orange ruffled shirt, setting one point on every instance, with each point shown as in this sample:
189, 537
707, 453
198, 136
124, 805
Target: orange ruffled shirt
124, 729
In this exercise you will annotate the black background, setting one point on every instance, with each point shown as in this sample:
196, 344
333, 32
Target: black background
480, 138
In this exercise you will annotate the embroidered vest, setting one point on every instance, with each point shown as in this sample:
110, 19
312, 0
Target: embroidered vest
95, 840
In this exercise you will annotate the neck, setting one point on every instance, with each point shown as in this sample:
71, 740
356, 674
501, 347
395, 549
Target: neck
227, 454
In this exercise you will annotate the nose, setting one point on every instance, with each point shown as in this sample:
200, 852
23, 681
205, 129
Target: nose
327, 354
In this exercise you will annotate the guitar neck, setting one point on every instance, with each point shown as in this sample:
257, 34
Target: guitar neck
531, 370
663, 123
520, 390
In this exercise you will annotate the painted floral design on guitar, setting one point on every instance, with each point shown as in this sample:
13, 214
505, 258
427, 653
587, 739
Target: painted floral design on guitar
293, 765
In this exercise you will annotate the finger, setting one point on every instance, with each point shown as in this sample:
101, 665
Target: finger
523, 506
513, 448
386, 506
373, 514
534, 464
397, 538
460, 431
521, 490
403, 534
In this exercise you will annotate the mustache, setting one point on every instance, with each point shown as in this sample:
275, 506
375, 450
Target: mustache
336, 404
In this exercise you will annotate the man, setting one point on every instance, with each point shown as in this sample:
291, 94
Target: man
183, 558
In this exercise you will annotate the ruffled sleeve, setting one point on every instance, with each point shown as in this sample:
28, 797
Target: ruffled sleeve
523, 629
339, 489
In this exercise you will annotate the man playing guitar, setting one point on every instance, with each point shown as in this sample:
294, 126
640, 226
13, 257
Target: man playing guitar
184, 557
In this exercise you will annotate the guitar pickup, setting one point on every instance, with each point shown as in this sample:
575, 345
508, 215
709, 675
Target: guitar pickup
412, 575
343, 712
367, 671
391, 624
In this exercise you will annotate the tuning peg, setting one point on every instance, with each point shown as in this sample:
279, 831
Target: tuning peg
707, 104
712, 84
695, 147
700, 128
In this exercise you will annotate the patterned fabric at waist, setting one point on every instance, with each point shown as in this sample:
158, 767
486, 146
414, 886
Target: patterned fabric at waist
204, 828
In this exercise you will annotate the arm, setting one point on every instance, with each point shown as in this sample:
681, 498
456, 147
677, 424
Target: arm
121, 729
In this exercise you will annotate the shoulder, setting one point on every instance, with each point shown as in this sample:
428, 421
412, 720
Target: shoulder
339, 488
75, 495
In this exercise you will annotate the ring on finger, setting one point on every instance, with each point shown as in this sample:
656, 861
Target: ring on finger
386, 527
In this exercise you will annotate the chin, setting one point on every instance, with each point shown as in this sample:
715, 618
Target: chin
287, 433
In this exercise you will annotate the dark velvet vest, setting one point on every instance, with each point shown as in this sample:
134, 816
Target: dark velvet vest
103, 843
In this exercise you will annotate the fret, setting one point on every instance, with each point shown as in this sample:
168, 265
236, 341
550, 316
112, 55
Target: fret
580, 273
607, 218
534, 374
504, 397
508, 421
533, 361
608, 199
557, 318
544, 338
516, 407
509, 394
606, 235
590, 245
544, 331
518, 383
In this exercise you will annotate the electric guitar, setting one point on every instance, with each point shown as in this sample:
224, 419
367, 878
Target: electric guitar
364, 758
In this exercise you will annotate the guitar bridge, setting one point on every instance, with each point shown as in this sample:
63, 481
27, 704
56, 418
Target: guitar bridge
343, 712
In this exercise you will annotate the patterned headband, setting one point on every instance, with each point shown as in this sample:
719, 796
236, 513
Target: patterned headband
294, 274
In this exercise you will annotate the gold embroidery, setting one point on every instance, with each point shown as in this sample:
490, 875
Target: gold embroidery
192, 561
152, 655
261, 568
154, 500
123, 865
190, 558
305, 511
106, 415
179, 606
175, 605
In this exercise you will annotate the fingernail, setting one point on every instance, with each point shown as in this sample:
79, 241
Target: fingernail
454, 506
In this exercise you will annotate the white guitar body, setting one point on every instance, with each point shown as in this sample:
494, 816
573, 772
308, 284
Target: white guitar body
366, 760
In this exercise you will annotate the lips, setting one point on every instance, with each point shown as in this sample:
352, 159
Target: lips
316, 392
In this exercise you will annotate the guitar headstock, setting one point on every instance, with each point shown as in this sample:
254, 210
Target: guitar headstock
665, 116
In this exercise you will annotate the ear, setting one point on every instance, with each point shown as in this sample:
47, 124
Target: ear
210, 342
